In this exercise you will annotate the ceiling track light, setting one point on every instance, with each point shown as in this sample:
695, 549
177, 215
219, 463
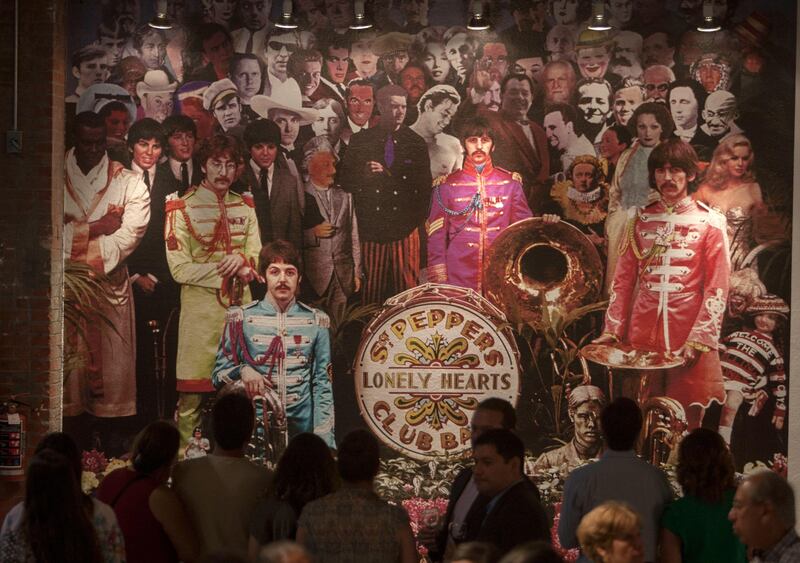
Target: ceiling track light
161, 19
709, 24
599, 21
361, 22
477, 20
286, 21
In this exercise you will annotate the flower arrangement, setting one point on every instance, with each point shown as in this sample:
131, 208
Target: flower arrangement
96, 466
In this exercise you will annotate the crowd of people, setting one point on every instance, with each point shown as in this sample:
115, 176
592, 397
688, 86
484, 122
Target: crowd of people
225, 507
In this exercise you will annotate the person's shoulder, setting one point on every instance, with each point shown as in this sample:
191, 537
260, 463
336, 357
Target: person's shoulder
321, 318
715, 217
508, 175
123, 173
190, 466
189, 194
318, 506
397, 513
14, 517
447, 140
405, 133
103, 511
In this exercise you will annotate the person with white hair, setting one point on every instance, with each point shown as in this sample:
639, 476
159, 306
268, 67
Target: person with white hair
437, 107
626, 56
331, 250
763, 517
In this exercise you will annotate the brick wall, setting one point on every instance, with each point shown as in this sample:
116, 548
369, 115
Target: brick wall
29, 182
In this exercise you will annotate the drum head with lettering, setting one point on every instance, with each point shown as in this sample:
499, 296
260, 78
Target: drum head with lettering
426, 362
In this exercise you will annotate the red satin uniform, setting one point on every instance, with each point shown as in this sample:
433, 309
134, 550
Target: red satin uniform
670, 288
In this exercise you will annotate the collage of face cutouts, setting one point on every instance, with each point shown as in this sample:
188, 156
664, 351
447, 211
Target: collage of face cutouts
394, 156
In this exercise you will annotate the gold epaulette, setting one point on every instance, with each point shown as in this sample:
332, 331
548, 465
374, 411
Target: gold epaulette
172, 202
516, 176
439, 180
321, 319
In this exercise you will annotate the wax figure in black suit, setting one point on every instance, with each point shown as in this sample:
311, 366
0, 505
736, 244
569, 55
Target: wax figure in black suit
274, 189
181, 135
155, 293
387, 169
463, 524
514, 515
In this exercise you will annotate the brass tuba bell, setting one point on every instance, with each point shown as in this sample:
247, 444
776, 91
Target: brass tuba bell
533, 264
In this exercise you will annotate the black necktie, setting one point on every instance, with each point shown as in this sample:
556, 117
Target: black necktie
265, 217
184, 176
147, 178
249, 47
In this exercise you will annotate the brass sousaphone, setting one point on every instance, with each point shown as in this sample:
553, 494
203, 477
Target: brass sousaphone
533, 264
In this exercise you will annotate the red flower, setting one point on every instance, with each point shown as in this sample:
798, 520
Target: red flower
94, 461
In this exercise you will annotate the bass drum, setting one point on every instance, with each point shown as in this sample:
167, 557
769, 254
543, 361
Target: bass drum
426, 361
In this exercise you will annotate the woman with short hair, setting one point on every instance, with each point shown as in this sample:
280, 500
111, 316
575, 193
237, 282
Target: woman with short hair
611, 533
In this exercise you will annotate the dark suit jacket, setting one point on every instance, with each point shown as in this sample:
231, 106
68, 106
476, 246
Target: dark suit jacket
195, 177
284, 219
516, 518
515, 153
392, 204
474, 515
150, 257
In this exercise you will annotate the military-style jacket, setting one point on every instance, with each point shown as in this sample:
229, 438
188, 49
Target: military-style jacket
468, 210
670, 288
389, 205
293, 348
201, 228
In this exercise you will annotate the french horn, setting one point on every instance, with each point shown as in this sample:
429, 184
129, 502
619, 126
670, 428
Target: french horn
532, 265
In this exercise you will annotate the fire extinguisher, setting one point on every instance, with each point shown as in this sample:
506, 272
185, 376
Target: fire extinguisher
13, 426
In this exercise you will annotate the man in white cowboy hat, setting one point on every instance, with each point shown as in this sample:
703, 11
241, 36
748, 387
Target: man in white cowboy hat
221, 99
289, 114
155, 92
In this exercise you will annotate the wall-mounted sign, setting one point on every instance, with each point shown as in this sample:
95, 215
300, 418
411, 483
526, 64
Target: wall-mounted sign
425, 363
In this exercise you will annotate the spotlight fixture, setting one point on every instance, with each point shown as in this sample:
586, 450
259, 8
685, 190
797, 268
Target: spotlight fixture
361, 21
599, 21
286, 21
477, 20
709, 23
161, 19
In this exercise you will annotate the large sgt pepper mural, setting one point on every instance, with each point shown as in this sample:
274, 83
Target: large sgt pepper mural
383, 227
